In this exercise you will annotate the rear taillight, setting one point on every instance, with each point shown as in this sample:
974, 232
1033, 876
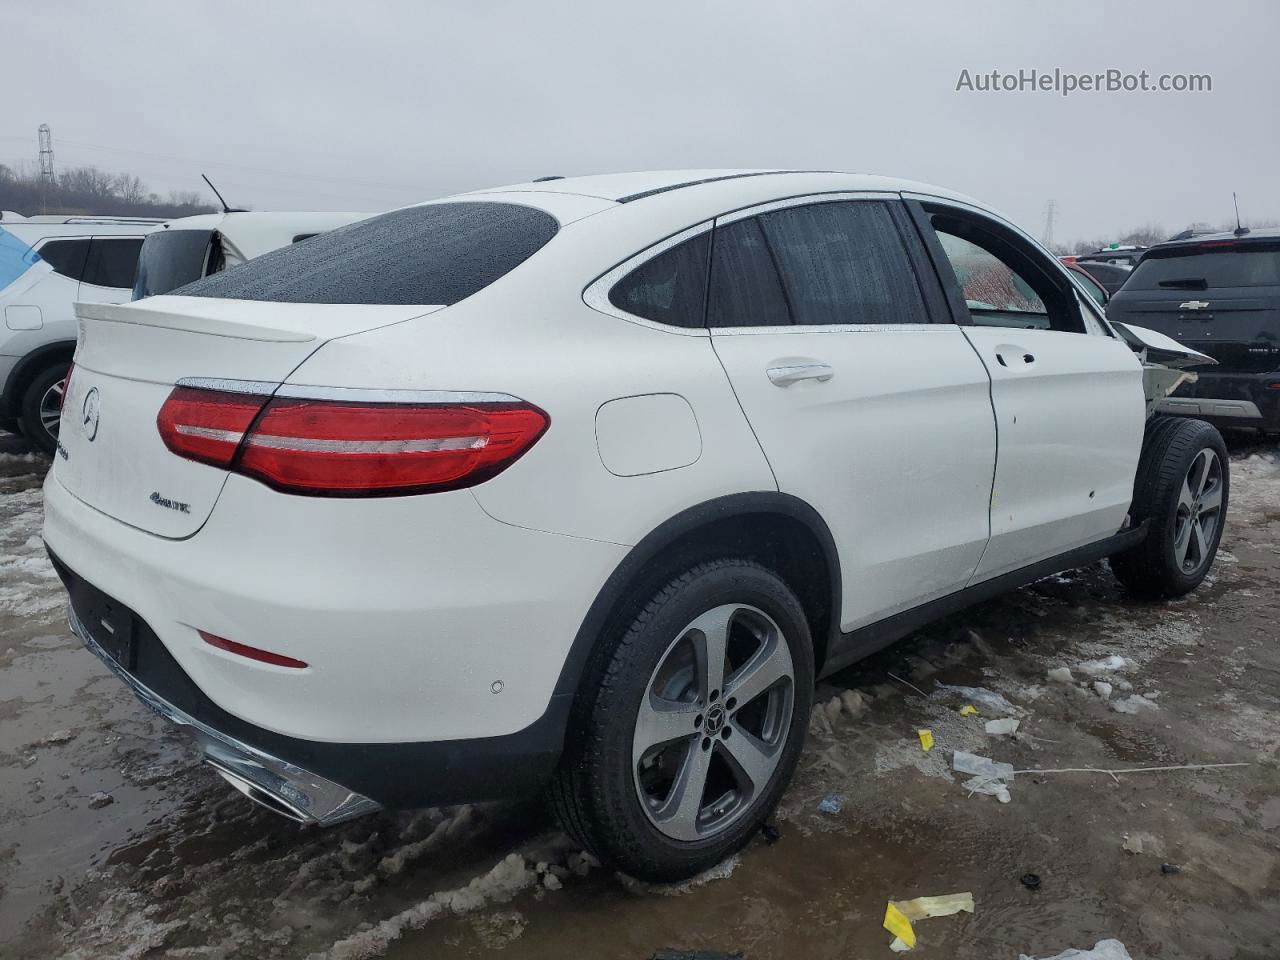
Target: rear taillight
344, 448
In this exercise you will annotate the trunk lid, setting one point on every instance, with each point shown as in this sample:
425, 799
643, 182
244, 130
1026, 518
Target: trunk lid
128, 359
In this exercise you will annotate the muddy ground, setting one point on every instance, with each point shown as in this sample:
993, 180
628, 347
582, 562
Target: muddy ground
177, 865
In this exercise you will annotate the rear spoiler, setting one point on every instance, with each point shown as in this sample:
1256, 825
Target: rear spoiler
188, 322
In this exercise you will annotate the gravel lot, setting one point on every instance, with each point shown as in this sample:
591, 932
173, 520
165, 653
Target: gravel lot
177, 865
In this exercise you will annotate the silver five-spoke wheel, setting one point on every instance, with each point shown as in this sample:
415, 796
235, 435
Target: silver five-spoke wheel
713, 722
1199, 511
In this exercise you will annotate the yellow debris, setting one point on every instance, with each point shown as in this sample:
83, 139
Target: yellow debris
926, 740
968, 710
897, 924
900, 914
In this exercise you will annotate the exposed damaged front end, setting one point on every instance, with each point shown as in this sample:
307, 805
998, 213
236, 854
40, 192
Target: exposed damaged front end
1164, 362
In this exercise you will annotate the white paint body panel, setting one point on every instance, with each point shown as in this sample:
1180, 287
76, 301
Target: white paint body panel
1070, 425
895, 451
649, 434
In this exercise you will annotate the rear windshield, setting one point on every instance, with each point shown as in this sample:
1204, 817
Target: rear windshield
1204, 267
169, 259
435, 254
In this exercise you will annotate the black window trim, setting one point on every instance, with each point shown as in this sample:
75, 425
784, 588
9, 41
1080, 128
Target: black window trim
596, 294
920, 205
893, 200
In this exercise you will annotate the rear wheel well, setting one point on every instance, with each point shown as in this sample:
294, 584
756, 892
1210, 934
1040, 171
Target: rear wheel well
778, 539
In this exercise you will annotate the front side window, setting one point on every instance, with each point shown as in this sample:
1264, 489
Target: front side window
434, 254
669, 288
66, 256
112, 262
1002, 279
844, 263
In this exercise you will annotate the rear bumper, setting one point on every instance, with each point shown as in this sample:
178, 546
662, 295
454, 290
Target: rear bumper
1231, 399
315, 781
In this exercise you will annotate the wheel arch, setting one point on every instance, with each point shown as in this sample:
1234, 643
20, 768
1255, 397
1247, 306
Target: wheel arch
777, 530
26, 370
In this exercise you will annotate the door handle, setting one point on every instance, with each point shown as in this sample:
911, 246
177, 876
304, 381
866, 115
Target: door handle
794, 373
1008, 355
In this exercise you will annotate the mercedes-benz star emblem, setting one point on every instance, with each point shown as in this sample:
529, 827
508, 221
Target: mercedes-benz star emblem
89, 414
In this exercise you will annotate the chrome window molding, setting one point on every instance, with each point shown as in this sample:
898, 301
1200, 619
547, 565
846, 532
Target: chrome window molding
836, 328
596, 294
300, 391
803, 200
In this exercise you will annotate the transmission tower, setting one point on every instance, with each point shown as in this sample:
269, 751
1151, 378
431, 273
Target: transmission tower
46, 164
1048, 225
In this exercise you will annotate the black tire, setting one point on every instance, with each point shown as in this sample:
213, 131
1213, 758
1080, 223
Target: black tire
596, 790
1160, 566
30, 417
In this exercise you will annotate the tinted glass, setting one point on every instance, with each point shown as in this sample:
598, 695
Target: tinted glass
745, 290
844, 263
669, 288
1200, 268
66, 256
169, 259
990, 287
16, 257
1095, 290
435, 254
112, 262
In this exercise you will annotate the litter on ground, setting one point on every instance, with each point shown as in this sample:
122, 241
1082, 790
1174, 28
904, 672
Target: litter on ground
968, 710
926, 739
987, 700
899, 915
1102, 950
1002, 727
831, 804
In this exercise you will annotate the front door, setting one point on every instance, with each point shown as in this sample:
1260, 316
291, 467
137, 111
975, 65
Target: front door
1068, 396
866, 408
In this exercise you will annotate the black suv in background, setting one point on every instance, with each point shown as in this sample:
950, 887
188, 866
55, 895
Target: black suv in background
1219, 294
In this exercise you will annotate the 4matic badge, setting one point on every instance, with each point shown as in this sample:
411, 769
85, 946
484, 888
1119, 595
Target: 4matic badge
165, 502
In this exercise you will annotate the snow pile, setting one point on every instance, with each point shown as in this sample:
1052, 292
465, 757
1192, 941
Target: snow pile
509, 877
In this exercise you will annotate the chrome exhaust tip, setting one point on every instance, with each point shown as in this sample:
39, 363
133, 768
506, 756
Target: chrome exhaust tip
260, 796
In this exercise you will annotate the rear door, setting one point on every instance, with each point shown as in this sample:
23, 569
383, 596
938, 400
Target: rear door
866, 409
1068, 395
109, 269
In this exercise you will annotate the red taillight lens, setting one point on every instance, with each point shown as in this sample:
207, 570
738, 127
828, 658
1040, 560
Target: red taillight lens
349, 449
253, 653
207, 425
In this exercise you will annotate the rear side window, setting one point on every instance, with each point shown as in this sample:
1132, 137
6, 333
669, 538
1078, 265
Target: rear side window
844, 263
670, 288
66, 256
745, 289
1200, 268
169, 259
112, 261
435, 254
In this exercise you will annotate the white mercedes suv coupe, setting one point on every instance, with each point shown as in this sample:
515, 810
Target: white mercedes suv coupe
579, 484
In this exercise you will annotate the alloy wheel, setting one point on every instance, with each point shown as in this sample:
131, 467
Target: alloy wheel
1199, 511
51, 407
713, 722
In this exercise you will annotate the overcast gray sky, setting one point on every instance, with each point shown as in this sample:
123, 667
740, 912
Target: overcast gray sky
370, 105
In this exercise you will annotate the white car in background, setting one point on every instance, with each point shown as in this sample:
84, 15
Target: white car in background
48, 263
193, 247
580, 484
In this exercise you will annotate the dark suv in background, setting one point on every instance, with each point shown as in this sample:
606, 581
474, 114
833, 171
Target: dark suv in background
1219, 294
